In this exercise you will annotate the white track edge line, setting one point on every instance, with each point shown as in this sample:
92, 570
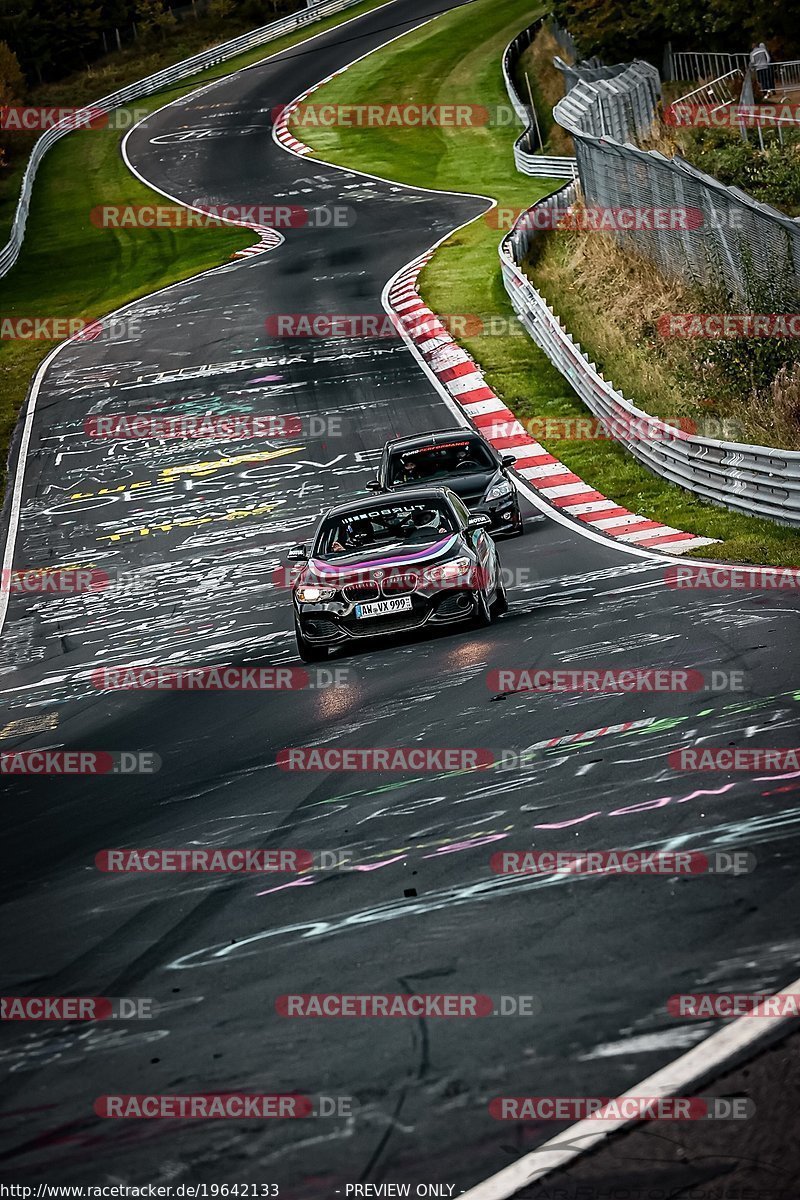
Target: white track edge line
710, 1054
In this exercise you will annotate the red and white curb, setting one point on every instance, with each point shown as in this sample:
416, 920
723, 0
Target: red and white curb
553, 482
282, 132
268, 239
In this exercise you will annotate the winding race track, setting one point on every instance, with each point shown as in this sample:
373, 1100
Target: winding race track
195, 532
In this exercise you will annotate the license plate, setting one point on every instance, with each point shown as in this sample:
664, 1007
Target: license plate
381, 608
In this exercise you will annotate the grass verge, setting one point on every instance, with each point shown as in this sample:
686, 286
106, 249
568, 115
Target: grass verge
70, 268
455, 59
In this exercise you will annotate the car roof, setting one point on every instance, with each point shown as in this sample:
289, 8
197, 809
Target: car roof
418, 440
409, 496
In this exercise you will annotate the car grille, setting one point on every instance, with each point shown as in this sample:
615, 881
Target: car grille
388, 622
358, 593
400, 585
393, 623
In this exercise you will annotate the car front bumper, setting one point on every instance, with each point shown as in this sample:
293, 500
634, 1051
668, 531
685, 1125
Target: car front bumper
503, 513
334, 622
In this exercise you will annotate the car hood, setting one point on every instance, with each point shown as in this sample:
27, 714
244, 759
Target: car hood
385, 558
470, 487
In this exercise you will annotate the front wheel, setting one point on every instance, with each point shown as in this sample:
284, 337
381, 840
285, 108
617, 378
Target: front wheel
501, 598
307, 652
483, 614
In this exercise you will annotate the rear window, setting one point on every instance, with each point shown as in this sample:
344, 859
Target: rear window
425, 464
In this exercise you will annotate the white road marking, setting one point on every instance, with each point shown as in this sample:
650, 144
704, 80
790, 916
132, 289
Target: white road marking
676, 1078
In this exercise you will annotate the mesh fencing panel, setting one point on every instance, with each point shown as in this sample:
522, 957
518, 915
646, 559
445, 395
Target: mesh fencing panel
706, 229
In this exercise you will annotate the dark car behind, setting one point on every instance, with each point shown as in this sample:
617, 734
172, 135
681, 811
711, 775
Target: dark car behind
458, 459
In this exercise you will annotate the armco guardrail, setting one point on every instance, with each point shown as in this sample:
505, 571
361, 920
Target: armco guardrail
623, 107
551, 166
146, 87
757, 480
588, 71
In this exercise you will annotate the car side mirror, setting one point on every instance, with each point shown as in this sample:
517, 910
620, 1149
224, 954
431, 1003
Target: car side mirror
479, 521
298, 553
374, 486
508, 460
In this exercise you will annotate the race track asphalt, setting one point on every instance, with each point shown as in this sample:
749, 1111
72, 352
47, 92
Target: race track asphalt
196, 533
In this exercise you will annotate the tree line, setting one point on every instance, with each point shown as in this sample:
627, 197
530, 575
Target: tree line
49, 39
618, 31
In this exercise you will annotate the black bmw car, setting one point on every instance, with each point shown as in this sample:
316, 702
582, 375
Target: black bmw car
391, 564
458, 459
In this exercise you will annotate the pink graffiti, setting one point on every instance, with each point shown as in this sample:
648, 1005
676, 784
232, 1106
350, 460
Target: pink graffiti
455, 846
282, 886
386, 862
564, 824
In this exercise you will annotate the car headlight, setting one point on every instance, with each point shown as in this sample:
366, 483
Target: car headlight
448, 571
498, 490
309, 593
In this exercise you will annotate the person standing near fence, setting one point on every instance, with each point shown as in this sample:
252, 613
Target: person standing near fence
761, 61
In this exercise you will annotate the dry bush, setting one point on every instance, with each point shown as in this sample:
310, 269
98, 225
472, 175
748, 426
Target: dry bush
775, 418
611, 300
547, 85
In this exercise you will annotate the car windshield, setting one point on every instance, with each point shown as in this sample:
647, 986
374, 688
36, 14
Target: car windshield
395, 525
464, 456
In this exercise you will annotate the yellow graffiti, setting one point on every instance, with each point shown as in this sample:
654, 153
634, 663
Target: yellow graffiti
217, 464
198, 469
233, 514
26, 725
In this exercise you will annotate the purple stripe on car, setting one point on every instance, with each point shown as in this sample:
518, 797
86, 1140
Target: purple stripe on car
374, 563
